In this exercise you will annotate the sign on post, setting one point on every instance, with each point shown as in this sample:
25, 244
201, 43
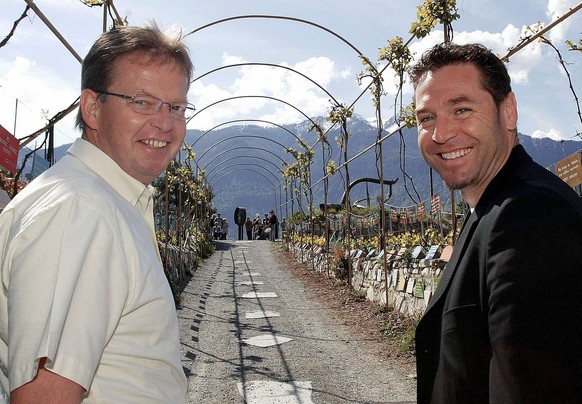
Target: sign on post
570, 169
9, 147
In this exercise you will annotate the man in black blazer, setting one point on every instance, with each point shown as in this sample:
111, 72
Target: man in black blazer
505, 323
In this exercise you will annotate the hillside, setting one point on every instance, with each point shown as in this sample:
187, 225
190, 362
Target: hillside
402, 162
254, 182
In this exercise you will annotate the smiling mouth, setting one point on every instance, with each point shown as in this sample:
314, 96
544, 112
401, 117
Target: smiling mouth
155, 143
456, 154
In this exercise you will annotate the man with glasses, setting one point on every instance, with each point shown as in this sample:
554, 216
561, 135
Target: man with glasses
86, 312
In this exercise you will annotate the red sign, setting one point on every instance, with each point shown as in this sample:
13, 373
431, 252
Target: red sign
9, 147
412, 214
393, 215
435, 204
403, 215
421, 211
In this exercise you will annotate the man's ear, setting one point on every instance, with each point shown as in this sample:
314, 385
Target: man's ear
90, 108
510, 111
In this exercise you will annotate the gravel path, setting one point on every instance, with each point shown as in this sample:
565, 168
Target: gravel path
250, 333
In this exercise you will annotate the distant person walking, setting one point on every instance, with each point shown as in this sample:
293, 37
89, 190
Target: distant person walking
217, 230
211, 224
224, 229
273, 225
249, 228
266, 233
257, 227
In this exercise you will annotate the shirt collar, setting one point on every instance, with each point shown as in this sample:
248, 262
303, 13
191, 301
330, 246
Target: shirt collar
129, 188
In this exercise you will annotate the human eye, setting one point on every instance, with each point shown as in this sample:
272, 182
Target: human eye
145, 103
424, 119
182, 110
178, 107
178, 110
462, 111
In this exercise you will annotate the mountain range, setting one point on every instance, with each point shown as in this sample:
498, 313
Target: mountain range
243, 163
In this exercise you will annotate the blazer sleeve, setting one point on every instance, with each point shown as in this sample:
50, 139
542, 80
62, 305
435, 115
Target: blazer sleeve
533, 280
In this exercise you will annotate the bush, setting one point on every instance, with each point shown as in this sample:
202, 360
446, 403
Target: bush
398, 327
340, 264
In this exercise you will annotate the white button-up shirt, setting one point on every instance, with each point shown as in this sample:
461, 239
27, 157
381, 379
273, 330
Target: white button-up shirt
83, 285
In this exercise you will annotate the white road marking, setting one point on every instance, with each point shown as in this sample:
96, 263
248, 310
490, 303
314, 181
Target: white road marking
254, 295
261, 314
266, 340
251, 274
271, 392
250, 283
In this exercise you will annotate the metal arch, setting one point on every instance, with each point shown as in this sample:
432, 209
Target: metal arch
247, 169
240, 157
244, 120
280, 17
240, 136
243, 165
269, 65
254, 96
242, 147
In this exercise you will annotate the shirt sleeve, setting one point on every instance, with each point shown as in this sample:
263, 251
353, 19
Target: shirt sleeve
66, 291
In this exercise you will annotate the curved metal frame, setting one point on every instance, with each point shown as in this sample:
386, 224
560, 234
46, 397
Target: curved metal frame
253, 96
244, 120
241, 157
267, 65
239, 136
243, 164
242, 147
280, 17
247, 169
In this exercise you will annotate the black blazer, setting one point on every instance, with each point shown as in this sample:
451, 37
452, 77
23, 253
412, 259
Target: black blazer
505, 323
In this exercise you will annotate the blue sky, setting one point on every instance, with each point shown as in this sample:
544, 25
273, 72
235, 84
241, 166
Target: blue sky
43, 75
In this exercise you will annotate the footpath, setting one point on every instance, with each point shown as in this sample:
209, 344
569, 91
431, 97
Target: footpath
250, 334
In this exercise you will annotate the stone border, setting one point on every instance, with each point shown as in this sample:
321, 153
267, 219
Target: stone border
412, 278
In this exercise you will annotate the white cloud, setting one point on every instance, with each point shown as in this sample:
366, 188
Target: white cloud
47, 76
231, 60
304, 91
555, 10
528, 69
552, 134
345, 74
523, 62
519, 65
41, 93
319, 69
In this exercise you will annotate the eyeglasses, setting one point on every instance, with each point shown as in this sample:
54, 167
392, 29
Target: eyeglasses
150, 105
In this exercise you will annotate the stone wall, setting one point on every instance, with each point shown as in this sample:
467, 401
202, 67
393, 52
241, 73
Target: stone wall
411, 275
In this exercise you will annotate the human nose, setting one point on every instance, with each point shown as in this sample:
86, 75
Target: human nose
442, 131
163, 118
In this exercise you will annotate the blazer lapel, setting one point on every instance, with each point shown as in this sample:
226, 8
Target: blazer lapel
518, 158
460, 246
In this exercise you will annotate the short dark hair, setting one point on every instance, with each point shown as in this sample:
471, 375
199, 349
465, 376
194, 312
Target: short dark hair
100, 62
494, 76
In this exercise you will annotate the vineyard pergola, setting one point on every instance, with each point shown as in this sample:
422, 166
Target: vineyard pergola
184, 202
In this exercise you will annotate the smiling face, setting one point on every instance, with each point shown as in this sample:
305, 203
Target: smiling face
142, 145
461, 132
